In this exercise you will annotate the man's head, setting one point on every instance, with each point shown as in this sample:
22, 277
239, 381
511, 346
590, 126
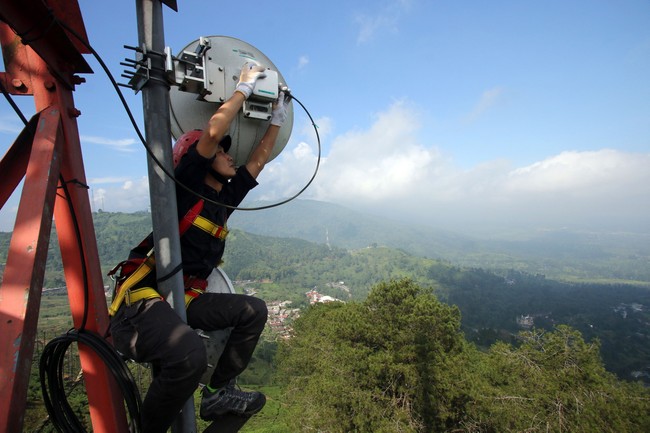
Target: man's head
189, 139
222, 167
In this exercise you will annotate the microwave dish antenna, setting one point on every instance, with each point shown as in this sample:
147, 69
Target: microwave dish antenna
206, 72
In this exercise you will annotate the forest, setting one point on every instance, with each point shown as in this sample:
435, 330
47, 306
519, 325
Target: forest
419, 344
398, 362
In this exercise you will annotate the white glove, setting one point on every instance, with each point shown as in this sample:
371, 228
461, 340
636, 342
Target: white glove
280, 109
249, 74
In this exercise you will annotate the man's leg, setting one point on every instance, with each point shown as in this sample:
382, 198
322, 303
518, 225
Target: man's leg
150, 331
245, 314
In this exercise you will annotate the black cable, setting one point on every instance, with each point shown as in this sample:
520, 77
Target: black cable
53, 388
12, 103
51, 362
160, 165
80, 247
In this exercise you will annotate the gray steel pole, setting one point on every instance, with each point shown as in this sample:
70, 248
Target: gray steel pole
162, 191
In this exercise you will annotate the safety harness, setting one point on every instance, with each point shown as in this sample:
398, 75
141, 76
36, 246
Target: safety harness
133, 271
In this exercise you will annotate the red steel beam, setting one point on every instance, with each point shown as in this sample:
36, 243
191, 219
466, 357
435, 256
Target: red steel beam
22, 285
104, 397
14, 164
20, 295
39, 26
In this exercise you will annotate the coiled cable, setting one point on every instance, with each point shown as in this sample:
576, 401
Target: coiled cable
51, 364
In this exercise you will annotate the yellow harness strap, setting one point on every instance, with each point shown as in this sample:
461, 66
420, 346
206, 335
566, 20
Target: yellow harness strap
134, 295
191, 294
209, 227
126, 294
133, 279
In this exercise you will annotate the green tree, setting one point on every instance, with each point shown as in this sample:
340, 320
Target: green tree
552, 382
398, 363
377, 366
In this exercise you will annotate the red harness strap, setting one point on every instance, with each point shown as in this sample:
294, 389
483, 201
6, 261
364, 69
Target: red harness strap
194, 287
189, 217
129, 266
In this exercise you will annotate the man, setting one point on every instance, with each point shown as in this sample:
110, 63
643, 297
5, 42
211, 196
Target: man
146, 328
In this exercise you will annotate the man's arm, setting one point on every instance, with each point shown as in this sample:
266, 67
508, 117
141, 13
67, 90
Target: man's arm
220, 121
262, 152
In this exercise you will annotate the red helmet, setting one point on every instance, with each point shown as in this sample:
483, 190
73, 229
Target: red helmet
183, 144
189, 139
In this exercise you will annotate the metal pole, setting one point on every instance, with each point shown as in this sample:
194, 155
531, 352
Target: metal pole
155, 102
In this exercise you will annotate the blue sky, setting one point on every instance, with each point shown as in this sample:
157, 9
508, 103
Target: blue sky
467, 115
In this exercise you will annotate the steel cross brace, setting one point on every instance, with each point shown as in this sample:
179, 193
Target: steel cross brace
46, 151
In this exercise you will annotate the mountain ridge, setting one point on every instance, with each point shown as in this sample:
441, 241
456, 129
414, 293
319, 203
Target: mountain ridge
563, 254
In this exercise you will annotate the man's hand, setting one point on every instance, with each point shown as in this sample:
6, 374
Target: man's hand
280, 109
249, 74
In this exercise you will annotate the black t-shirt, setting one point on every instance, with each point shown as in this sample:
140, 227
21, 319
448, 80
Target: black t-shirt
200, 251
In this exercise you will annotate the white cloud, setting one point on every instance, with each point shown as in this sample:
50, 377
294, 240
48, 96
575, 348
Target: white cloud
288, 174
488, 99
361, 165
104, 180
10, 126
589, 172
372, 165
594, 188
385, 20
386, 169
324, 126
303, 61
124, 195
129, 195
121, 145
369, 25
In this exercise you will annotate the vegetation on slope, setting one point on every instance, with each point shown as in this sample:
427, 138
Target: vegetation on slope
609, 326
397, 362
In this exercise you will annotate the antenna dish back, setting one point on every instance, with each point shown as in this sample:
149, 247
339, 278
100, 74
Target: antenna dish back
222, 64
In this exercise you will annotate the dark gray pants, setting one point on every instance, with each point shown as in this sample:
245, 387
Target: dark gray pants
150, 331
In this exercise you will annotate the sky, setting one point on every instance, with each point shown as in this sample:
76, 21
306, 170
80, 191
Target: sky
465, 115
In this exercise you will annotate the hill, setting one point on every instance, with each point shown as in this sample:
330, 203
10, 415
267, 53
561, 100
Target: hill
494, 305
495, 302
563, 254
